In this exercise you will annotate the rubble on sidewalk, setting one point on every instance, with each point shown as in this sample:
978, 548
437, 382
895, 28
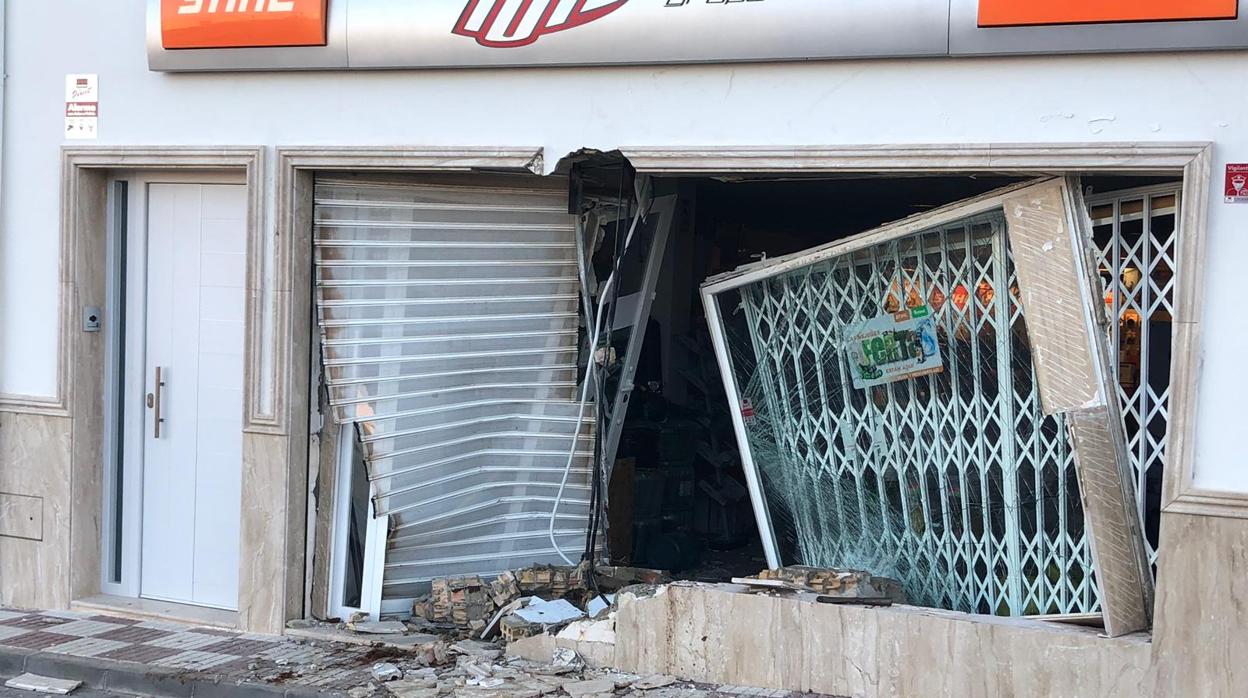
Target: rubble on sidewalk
546, 630
526, 602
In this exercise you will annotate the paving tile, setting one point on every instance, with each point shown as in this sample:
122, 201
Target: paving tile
194, 660
324, 678
184, 641
67, 615
292, 653
34, 621
143, 654
84, 628
133, 633
8, 631
10, 615
36, 640
266, 638
236, 665
86, 647
239, 647
219, 632
115, 620
163, 625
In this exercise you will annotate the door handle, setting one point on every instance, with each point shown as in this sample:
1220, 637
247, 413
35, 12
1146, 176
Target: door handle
153, 402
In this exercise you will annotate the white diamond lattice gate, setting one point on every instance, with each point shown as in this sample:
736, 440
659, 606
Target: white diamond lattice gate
1137, 238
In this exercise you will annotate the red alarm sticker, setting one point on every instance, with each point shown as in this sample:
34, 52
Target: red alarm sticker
1237, 184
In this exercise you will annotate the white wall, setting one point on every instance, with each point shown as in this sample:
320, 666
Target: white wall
1092, 98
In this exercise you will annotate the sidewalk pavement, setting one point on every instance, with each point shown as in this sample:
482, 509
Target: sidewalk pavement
167, 659
162, 658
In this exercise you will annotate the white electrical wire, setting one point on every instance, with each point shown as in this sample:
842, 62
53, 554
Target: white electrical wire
590, 374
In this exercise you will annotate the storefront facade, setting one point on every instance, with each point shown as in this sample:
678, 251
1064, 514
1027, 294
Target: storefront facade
246, 146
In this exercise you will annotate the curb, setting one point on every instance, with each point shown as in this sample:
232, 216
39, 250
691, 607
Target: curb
130, 677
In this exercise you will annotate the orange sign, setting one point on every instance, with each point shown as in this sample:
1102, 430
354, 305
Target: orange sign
242, 23
1011, 13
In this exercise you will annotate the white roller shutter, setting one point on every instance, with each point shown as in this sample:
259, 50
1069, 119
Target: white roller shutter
450, 335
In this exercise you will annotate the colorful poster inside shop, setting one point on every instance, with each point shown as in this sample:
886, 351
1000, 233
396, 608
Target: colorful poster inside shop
894, 347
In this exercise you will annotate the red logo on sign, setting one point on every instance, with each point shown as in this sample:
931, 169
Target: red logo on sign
493, 26
1237, 184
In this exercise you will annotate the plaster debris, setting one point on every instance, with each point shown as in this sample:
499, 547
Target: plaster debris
43, 684
550, 612
590, 631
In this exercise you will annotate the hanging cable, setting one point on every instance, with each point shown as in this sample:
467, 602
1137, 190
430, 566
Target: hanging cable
610, 289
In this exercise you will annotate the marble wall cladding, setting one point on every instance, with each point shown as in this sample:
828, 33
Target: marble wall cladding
21, 516
262, 561
718, 635
1200, 635
35, 461
86, 492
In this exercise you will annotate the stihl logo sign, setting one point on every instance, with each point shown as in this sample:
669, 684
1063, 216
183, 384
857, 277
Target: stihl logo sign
242, 23
509, 24
194, 7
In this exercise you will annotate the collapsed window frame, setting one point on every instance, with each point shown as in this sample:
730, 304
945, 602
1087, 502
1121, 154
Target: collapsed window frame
1049, 232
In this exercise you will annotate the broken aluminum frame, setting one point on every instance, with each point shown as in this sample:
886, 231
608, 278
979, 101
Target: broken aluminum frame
1102, 465
664, 207
375, 534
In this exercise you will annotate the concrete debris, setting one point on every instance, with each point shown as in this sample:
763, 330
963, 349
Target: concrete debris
480, 650
362, 691
43, 684
653, 682
564, 657
385, 671
372, 627
577, 689
554, 595
409, 689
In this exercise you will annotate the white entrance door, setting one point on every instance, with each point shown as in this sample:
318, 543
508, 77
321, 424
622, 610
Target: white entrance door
192, 444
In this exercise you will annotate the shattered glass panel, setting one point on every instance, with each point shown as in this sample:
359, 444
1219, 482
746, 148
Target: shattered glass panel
955, 483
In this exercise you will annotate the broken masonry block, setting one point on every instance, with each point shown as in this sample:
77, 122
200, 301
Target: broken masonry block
504, 589
514, 628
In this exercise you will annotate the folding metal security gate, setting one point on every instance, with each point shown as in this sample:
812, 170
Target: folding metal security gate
449, 315
960, 483
1137, 238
